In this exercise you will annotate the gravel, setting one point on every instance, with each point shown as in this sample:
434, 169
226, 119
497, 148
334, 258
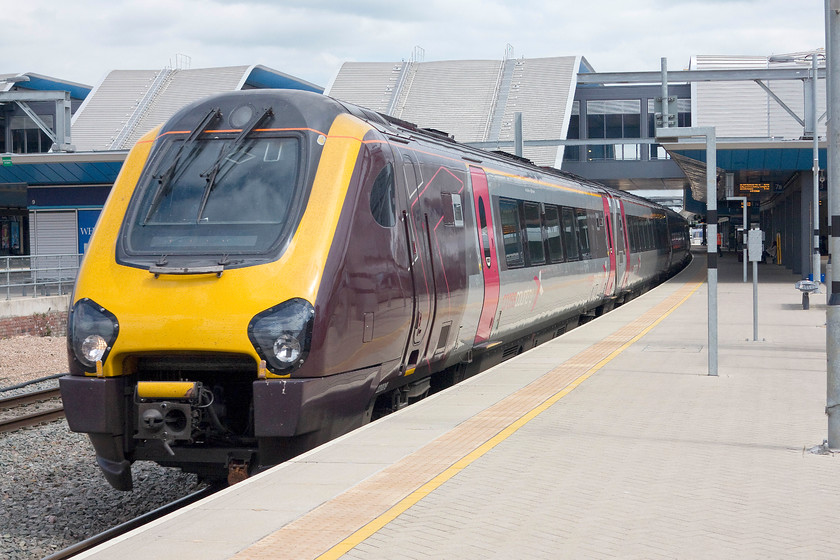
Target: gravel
52, 494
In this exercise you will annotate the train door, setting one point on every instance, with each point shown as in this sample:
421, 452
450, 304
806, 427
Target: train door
487, 246
623, 244
609, 287
415, 222
622, 249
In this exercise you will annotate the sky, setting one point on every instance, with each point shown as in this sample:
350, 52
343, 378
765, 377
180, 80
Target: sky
81, 41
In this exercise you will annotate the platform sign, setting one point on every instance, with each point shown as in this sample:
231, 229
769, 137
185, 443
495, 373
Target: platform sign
86, 221
755, 238
753, 188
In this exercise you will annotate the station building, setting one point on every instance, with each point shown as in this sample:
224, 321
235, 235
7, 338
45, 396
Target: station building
61, 157
600, 126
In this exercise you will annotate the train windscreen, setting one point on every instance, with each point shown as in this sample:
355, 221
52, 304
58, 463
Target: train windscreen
215, 196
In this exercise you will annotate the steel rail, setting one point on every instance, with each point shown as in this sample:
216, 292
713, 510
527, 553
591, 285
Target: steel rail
132, 524
34, 418
27, 398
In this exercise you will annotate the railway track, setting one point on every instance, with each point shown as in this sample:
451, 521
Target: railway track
123, 528
13, 422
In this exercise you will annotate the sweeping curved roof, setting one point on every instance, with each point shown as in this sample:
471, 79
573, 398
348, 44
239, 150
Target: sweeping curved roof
473, 100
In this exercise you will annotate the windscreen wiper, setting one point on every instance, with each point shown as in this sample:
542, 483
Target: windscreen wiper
213, 171
167, 178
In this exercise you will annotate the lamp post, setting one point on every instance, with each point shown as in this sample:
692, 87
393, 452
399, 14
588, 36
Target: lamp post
832, 407
673, 134
811, 121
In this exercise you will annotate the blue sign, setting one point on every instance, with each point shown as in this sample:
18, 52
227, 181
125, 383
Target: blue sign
87, 222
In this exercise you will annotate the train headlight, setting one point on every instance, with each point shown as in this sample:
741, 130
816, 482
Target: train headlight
281, 335
93, 331
93, 348
287, 349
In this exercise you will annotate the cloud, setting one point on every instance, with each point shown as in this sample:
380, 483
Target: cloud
81, 41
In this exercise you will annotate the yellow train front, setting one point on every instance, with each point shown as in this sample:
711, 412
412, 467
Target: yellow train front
215, 324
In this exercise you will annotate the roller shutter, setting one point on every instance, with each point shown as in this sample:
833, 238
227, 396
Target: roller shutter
53, 233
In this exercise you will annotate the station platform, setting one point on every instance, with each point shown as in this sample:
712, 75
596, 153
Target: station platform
608, 442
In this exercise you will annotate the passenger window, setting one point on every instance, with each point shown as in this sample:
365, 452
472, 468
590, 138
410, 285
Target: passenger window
382, 204
570, 235
533, 230
552, 234
509, 212
583, 233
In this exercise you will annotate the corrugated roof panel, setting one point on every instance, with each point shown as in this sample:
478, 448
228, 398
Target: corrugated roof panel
454, 96
108, 108
461, 96
541, 90
367, 84
181, 88
744, 109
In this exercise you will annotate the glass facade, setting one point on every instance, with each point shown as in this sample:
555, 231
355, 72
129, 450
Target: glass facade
607, 119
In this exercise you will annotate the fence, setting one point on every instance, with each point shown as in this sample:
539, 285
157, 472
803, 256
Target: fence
38, 275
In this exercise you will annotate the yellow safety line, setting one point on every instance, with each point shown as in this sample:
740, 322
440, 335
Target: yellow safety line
371, 528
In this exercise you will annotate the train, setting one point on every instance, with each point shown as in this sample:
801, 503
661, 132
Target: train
274, 268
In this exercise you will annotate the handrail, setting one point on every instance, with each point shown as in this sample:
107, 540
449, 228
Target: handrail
38, 274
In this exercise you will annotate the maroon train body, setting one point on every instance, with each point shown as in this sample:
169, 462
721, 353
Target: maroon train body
402, 263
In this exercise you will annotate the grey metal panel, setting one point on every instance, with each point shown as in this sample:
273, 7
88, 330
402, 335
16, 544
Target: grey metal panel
133, 97
453, 96
743, 108
367, 84
53, 233
542, 89
464, 97
181, 88
109, 107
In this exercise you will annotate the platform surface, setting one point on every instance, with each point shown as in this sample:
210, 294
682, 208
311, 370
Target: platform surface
611, 441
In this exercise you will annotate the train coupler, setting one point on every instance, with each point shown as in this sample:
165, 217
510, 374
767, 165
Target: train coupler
165, 411
237, 471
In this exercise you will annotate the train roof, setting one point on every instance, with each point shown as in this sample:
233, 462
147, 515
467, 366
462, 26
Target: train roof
526, 165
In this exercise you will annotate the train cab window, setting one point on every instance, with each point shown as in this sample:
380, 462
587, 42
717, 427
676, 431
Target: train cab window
509, 213
552, 234
382, 204
570, 234
583, 233
533, 231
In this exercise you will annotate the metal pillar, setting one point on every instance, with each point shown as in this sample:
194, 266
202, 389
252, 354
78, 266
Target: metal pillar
673, 134
816, 268
517, 133
832, 408
829, 156
805, 261
665, 108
